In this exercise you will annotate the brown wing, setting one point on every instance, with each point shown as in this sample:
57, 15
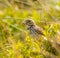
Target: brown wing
39, 30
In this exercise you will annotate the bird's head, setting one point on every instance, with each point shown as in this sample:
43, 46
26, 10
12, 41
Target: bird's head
29, 22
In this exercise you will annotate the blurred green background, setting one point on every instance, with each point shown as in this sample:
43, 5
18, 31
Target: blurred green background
14, 41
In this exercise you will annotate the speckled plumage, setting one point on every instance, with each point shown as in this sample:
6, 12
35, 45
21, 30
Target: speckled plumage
34, 30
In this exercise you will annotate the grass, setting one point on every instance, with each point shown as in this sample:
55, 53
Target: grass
15, 42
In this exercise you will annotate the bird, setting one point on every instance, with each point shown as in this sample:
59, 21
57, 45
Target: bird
34, 30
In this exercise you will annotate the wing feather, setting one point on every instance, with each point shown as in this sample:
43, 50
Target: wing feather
39, 30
